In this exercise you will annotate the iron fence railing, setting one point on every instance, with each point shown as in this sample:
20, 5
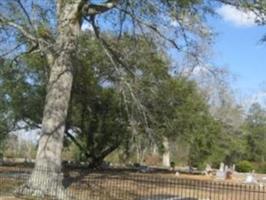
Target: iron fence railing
126, 185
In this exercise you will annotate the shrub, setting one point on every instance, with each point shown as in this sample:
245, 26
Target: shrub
172, 164
244, 166
136, 165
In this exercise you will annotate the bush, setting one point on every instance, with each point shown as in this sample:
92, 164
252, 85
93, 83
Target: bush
172, 164
136, 165
244, 166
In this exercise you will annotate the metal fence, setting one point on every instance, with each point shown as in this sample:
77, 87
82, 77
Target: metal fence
127, 185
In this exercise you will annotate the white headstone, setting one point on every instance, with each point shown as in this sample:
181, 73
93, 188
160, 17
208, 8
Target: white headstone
234, 167
220, 174
226, 168
221, 167
250, 178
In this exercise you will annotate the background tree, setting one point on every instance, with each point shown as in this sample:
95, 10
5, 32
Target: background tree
255, 133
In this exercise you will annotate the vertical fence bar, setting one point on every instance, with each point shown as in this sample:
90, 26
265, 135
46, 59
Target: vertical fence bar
263, 194
240, 192
220, 190
246, 192
200, 189
237, 193
226, 194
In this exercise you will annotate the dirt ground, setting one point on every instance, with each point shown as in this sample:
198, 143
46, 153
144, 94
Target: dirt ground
128, 185
9, 198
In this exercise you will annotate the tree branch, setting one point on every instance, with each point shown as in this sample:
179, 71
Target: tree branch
25, 12
11, 50
94, 9
5, 22
73, 139
108, 150
31, 50
112, 55
151, 27
35, 40
235, 3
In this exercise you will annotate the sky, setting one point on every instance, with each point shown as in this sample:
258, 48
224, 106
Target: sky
238, 48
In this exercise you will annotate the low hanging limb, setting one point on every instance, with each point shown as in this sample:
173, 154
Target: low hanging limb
73, 139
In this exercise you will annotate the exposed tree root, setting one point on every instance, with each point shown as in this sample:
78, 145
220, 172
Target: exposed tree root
26, 191
43, 185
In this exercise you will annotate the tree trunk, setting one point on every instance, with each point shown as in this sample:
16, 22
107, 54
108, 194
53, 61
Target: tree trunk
46, 178
166, 153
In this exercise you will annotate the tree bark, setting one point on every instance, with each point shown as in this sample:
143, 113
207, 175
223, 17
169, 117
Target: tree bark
46, 178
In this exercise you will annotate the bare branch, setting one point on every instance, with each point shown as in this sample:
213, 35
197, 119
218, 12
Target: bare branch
38, 44
6, 22
11, 50
25, 12
151, 27
31, 50
118, 64
112, 55
94, 9
236, 3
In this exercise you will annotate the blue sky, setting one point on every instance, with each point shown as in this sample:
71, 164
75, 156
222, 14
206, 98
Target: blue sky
238, 47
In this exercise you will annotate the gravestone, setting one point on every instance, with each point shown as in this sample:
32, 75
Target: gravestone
250, 178
221, 166
234, 167
208, 170
220, 174
177, 174
226, 168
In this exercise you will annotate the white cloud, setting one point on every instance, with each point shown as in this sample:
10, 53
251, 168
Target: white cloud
240, 18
